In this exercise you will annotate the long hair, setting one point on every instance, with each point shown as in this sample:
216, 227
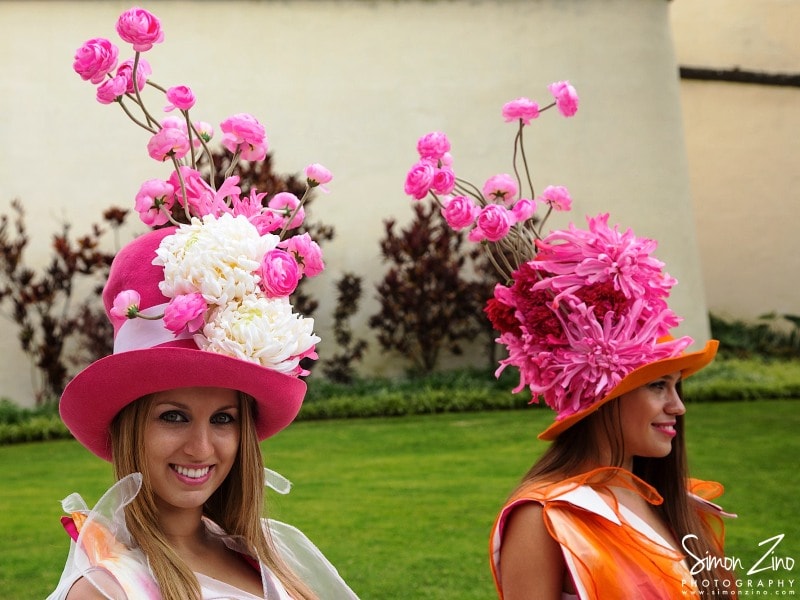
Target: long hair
575, 450
236, 506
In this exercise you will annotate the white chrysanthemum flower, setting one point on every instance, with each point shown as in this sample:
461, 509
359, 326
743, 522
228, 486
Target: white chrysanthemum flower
216, 257
261, 330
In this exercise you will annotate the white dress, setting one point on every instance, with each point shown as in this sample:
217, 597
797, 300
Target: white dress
103, 552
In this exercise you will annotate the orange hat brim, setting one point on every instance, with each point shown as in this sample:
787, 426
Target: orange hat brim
687, 364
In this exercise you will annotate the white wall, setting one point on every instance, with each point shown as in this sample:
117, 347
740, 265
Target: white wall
353, 84
744, 152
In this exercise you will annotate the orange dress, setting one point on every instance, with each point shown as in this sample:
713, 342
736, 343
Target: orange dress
609, 551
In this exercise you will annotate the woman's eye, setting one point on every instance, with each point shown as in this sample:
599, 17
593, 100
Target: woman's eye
173, 416
658, 385
222, 419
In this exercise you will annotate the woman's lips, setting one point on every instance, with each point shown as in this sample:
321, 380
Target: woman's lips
667, 429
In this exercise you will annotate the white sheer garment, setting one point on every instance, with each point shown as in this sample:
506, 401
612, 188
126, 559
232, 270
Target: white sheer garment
104, 553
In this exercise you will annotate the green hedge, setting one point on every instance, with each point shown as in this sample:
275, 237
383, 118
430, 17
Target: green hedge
456, 391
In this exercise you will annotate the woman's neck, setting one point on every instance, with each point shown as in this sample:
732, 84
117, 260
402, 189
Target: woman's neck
183, 528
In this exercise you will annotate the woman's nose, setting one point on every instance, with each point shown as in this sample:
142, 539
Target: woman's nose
675, 405
199, 443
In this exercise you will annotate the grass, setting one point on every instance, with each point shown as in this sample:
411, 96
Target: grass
403, 506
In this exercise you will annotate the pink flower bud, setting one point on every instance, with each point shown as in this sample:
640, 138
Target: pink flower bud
140, 28
111, 90
180, 97
420, 179
460, 212
433, 145
243, 133
143, 72
307, 253
279, 274
185, 311
95, 59
285, 203
566, 97
556, 197
501, 188
169, 141
154, 201
523, 209
204, 130
493, 223
126, 305
520, 109
444, 180
316, 175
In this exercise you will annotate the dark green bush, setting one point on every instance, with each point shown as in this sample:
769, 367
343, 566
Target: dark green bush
773, 336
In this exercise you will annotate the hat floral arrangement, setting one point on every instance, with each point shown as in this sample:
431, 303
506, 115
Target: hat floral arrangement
229, 266
577, 310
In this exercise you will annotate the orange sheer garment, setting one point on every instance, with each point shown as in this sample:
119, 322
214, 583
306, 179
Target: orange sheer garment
609, 552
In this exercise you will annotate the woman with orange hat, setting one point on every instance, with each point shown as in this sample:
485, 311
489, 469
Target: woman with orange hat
608, 511
206, 364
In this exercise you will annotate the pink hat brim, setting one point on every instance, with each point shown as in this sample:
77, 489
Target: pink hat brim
94, 397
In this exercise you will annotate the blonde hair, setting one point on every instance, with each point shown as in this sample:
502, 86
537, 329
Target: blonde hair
236, 506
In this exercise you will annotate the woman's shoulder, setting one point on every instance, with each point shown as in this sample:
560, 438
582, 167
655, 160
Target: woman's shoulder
86, 589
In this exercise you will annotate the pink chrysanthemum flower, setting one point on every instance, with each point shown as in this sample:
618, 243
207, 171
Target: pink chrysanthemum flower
578, 258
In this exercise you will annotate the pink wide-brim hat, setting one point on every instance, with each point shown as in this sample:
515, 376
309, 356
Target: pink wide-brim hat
95, 395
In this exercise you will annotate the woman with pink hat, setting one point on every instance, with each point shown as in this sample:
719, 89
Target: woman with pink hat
206, 364
608, 512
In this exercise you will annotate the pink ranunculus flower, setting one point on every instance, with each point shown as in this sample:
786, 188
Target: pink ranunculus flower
140, 28
566, 97
95, 59
243, 133
433, 145
111, 90
493, 223
154, 201
556, 197
523, 209
501, 188
446, 160
185, 311
520, 109
180, 97
307, 253
280, 273
169, 141
460, 212
444, 180
126, 304
285, 203
419, 179
143, 72
317, 175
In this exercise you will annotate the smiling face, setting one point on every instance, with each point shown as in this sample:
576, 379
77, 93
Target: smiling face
191, 440
648, 416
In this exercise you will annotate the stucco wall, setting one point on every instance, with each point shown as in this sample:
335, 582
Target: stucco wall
743, 144
352, 85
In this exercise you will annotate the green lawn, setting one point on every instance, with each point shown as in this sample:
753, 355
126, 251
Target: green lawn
403, 506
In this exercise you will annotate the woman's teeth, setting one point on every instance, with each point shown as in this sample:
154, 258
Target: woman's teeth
191, 473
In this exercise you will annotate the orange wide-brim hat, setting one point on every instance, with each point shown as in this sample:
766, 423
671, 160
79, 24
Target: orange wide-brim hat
96, 395
687, 363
